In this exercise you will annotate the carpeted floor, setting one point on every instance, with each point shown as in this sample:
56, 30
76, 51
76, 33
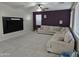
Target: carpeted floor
32, 45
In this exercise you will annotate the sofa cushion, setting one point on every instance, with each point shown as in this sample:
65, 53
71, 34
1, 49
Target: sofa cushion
54, 28
57, 37
60, 39
68, 37
64, 29
44, 27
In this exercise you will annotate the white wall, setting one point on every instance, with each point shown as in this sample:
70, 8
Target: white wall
71, 20
74, 18
77, 23
72, 14
8, 11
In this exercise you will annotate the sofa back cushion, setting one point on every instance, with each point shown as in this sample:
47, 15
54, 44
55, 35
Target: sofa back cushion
54, 28
44, 27
50, 28
68, 37
64, 29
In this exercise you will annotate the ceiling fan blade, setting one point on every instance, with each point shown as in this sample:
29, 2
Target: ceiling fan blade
31, 5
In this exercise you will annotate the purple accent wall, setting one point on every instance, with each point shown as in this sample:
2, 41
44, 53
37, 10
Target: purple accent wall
53, 18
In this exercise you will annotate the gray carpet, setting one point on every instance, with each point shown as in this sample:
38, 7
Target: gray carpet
32, 45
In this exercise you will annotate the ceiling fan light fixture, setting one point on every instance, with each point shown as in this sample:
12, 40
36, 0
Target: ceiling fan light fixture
38, 9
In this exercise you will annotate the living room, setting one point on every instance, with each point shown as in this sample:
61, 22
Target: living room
39, 29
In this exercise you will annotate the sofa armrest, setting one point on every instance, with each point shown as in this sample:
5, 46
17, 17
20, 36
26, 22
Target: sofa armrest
72, 42
62, 43
58, 35
59, 47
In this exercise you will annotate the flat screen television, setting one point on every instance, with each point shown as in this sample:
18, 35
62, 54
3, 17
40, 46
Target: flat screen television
12, 24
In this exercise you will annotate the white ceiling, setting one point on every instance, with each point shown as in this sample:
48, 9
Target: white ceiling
32, 5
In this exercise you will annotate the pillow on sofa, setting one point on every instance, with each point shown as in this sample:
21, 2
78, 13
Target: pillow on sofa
64, 29
44, 27
57, 28
68, 37
54, 28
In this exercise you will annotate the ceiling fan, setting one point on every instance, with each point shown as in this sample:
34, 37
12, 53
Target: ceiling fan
41, 6
38, 5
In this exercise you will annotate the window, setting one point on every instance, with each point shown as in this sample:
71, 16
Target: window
38, 19
76, 21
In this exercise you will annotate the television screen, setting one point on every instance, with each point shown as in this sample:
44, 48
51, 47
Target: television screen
12, 24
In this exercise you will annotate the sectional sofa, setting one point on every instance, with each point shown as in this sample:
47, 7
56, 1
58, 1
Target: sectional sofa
61, 41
